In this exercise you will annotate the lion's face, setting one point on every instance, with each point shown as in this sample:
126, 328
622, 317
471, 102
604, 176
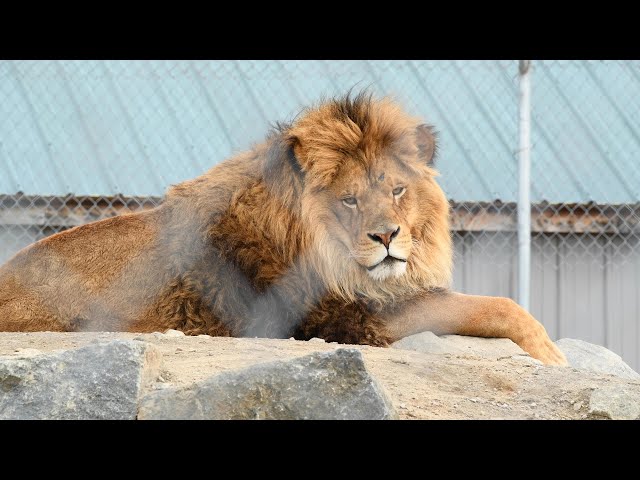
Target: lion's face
371, 215
369, 195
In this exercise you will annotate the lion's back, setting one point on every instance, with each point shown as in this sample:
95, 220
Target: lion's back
59, 278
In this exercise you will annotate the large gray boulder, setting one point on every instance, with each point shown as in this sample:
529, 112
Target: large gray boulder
323, 385
616, 402
595, 358
98, 381
428, 342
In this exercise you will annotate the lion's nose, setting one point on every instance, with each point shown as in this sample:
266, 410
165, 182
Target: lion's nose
386, 237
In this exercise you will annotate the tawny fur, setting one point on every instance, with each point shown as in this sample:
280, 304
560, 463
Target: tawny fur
262, 244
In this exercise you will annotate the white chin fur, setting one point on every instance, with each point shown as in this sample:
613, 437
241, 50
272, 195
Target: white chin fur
384, 271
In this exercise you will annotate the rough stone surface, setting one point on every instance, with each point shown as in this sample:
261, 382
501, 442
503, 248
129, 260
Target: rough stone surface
97, 381
174, 333
419, 385
428, 342
588, 356
328, 385
616, 402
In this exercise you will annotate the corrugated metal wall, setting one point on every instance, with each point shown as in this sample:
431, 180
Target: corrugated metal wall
92, 127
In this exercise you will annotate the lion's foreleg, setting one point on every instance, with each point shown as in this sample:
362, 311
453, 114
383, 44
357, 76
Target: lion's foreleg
473, 315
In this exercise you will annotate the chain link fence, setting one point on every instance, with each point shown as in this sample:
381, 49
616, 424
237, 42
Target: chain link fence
85, 140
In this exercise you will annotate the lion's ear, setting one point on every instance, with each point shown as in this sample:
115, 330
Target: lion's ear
298, 154
295, 155
426, 143
281, 155
282, 173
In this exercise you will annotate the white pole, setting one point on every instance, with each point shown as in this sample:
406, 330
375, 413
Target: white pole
524, 185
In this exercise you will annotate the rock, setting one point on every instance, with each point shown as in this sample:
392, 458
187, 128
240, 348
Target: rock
616, 402
527, 359
595, 358
98, 381
323, 385
486, 347
174, 333
27, 352
428, 342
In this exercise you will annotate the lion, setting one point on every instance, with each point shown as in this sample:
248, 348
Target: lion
333, 227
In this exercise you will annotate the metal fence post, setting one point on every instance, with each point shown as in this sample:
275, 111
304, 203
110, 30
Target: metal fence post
524, 185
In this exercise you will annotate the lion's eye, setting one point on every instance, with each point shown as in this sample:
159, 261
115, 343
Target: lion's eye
350, 202
399, 191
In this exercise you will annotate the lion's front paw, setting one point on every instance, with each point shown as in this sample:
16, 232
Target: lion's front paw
541, 347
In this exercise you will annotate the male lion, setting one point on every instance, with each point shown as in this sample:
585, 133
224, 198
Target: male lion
334, 227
